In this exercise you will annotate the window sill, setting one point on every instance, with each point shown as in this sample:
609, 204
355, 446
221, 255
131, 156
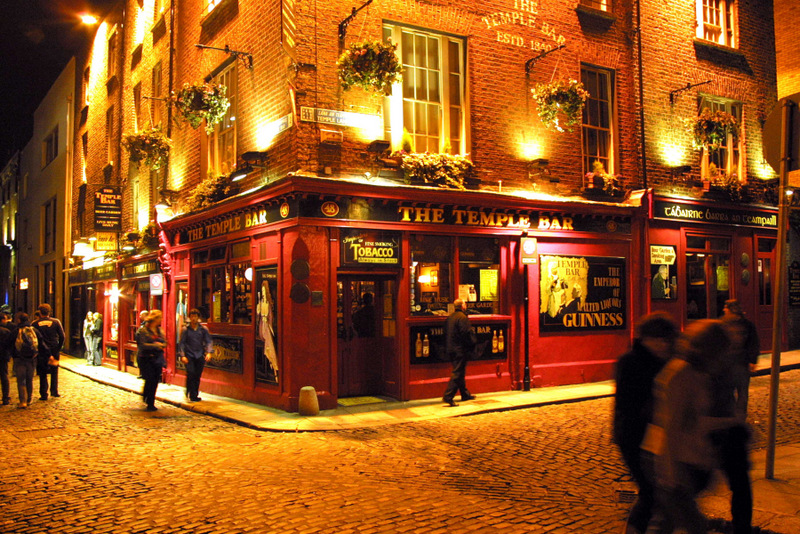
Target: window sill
111, 83
721, 54
221, 15
136, 56
159, 29
595, 13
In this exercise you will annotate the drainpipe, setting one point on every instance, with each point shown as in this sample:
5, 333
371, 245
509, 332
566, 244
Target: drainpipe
641, 91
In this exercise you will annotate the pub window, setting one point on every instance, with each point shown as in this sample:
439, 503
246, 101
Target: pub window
223, 284
707, 276
436, 283
598, 119
156, 102
222, 141
716, 21
724, 163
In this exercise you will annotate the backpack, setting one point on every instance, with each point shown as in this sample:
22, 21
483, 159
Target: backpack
27, 343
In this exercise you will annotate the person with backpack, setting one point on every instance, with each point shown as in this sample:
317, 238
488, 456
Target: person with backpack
25, 349
5, 356
50, 351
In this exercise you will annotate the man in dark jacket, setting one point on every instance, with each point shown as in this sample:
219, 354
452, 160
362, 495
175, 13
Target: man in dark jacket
460, 343
53, 336
24, 360
194, 347
633, 406
5, 355
744, 350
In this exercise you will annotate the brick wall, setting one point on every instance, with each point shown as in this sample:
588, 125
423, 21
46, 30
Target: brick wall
787, 13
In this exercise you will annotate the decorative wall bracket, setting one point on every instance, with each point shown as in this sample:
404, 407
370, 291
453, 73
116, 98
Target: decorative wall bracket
246, 57
346, 22
682, 89
532, 61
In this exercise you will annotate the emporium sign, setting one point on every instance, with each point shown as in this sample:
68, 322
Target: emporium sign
672, 210
370, 247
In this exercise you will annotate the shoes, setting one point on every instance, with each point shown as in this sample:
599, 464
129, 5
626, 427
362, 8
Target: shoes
196, 399
451, 402
151, 409
6, 402
43, 398
467, 398
57, 395
23, 404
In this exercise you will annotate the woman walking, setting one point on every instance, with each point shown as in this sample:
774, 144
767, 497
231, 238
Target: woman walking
151, 342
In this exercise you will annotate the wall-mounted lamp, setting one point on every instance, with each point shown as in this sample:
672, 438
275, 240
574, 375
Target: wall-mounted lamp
532, 61
346, 22
82, 248
674, 92
252, 160
539, 167
246, 57
680, 170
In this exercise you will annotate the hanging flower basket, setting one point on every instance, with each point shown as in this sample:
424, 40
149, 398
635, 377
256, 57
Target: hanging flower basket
560, 101
712, 128
199, 101
449, 171
149, 236
371, 65
150, 147
599, 183
210, 191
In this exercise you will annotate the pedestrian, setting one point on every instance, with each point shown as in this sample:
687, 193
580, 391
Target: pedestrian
87, 338
195, 348
5, 355
460, 341
680, 436
635, 372
745, 347
49, 351
151, 343
142, 319
364, 318
97, 338
25, 350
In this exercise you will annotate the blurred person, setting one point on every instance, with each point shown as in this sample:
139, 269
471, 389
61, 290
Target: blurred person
683, 422
87, 337
142, 318
97, 336
460, 341
25, 351
744, 351
195, 348
49, 351
151, 342
5, 355
364, 317
635, 373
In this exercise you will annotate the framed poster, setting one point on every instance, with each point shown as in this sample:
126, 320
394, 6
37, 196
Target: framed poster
663, 273
579, 293
266, 280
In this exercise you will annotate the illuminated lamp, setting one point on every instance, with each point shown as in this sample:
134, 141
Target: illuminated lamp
82, 248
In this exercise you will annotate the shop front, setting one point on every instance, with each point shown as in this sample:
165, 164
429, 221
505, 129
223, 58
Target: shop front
346, 287
701, 254
140, 288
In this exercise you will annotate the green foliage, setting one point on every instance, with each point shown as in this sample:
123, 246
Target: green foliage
407, 142
560, 99
603, 181
444, 170
200, 101
711, 129
371, 65
210, 191
150, 147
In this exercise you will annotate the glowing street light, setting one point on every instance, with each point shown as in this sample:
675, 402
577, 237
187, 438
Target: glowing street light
89, 20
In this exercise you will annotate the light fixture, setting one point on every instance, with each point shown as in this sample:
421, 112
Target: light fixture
240, 172
252, 160
82, 248
88, 19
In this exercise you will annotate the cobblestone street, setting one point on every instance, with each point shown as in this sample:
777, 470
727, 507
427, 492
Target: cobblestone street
94, 461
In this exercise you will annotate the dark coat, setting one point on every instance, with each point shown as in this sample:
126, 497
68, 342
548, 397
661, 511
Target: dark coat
460, 339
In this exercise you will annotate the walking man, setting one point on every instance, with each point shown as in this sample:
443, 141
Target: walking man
195, 348
460, 341
633, 407
744, 350
5, 355
50, 351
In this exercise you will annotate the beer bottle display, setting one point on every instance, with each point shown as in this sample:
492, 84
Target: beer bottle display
426, 347
419, 346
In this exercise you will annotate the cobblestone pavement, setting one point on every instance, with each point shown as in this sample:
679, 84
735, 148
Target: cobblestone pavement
94, 461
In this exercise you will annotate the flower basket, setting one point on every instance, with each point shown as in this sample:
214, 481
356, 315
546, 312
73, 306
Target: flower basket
711, 129
149, 237
560, 100
150, 147
599, 183
371, 65
449, 171
210, 191
202, 101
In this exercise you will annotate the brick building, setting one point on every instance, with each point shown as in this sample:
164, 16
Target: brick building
321, 215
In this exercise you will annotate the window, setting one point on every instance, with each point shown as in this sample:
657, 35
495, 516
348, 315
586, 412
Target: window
110, 134
158, 7
436, 283
84, 154
155, 102
49, 227
766, 255
111, 59
717, 21
223, 283
211, 5
137, 107
135, 200
598, 123
602, 5
85, 86
49, 283
431, 105
724, 161
707, 276
222, 141
50, 147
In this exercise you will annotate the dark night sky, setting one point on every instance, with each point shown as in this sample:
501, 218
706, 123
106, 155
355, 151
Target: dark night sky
38, 38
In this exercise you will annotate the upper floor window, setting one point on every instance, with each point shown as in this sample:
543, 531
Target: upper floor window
50, 147
222, 141
725, 161
111, 59
211, 5
155, 101
85, 86
137, 107
598, 118
110, 134
717, 21
431, 105
159, 6
602, 5
49, 226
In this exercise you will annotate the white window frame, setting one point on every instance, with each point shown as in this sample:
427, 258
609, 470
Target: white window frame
717, 22
394, 120
222, 142
609, 160
600, 5
730, 151
157, 81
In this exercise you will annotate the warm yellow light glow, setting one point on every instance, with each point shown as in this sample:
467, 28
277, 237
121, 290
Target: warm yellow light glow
89, 20
764, 171
267, 132
673, 154
139, 23
424, 279
97, 67
530, 149
113, 294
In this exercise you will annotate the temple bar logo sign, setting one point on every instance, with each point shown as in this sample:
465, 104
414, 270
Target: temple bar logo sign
108, 210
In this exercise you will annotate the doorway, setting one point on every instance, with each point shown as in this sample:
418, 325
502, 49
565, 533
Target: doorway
366, 335
707, 276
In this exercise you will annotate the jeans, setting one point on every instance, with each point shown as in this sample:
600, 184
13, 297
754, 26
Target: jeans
194, 370
457, 379
24, 368
4, 381
46, 371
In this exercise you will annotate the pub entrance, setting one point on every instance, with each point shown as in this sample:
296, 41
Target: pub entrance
366, 335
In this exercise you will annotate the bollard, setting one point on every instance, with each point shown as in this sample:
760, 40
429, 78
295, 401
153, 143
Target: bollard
308, 403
